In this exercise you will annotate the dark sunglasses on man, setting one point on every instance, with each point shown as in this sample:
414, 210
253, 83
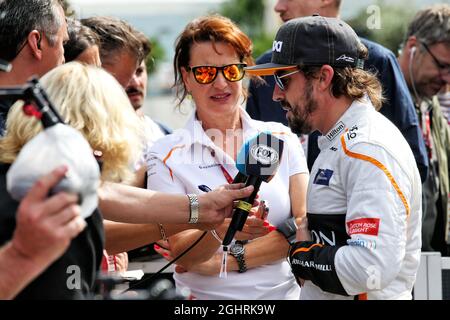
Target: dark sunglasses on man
207, 74
282, 78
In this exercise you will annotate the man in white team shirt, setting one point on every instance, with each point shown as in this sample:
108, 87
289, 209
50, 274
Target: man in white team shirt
362, 237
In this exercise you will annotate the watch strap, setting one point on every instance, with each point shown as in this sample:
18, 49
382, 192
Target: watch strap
240, 258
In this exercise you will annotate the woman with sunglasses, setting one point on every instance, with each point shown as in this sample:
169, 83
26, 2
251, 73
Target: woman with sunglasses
209, 62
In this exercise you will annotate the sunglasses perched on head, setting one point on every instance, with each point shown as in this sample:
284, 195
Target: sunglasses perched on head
207, 74
282, 79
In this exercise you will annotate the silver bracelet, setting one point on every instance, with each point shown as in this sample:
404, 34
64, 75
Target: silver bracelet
162, 232
193, 208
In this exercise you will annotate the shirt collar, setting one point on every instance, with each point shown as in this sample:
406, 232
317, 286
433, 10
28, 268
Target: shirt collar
347, 120
199, 136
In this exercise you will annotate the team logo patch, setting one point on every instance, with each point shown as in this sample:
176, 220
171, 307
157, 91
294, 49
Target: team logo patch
277, 45
323, 177
367, 226
335, 131
345, 58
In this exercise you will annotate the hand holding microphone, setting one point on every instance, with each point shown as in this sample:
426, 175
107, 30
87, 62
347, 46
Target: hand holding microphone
258, 159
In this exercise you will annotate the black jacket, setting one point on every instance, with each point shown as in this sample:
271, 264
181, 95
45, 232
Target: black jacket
82, 258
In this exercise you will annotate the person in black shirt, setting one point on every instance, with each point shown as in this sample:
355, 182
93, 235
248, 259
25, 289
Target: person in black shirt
44, 229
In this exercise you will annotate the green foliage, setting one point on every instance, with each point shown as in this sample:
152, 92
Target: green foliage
157, 55
262, 43
394, 19
68, 10
249, 16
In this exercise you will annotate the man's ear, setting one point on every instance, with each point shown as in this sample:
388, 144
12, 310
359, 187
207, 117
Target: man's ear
325, 77
34, 41
411, 45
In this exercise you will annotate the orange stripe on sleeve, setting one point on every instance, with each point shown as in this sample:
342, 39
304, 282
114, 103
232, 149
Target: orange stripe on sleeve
381, 167
307, 249
169, 155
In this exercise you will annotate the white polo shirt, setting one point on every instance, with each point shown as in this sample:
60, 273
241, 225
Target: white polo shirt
180, 162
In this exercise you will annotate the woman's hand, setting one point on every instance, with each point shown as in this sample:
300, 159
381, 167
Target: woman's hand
121, 261
207, 268
254, 227
163, 248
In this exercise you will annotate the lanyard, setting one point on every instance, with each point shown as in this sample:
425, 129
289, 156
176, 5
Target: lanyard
427, 134
226, 174
224, 171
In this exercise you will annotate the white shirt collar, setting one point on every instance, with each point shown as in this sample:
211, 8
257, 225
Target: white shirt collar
347, 120
198, 135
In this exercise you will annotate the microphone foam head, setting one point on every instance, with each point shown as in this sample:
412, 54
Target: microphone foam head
260, 156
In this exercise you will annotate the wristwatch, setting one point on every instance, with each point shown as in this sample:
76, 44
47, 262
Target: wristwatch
237, 250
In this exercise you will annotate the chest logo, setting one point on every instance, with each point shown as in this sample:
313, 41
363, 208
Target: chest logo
323, 177
335, 131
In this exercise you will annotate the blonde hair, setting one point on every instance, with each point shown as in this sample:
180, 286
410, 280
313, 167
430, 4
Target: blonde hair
90, 100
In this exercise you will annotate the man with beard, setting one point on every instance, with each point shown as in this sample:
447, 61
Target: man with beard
425, 63
137, 91
362, 234
397, 105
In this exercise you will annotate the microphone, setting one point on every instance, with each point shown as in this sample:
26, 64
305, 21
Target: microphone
258, 160
240, 178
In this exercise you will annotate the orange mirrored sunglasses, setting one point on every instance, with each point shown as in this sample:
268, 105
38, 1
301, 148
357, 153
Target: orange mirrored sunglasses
207, 74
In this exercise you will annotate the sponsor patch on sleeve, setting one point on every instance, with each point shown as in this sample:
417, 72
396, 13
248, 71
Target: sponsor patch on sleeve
367, 226
364, 243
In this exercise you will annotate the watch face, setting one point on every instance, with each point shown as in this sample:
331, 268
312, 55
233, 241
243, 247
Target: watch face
237, 249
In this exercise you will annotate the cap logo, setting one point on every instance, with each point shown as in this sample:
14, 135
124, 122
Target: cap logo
345, 58
277, 45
